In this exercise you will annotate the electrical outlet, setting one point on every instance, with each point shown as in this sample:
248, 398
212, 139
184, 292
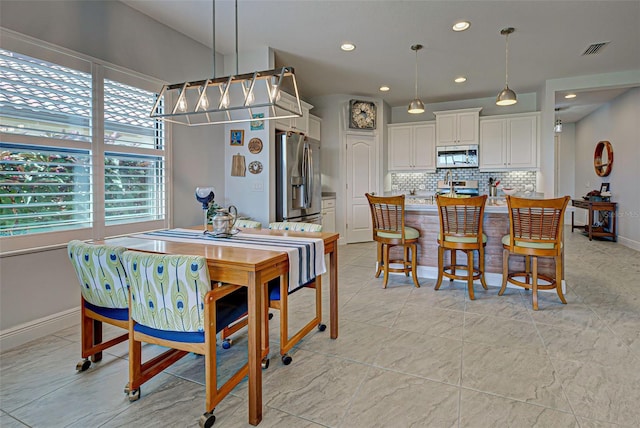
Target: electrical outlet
421, 187
258, 186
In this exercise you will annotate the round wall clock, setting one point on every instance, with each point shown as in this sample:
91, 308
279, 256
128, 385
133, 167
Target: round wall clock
362, 115
603, 158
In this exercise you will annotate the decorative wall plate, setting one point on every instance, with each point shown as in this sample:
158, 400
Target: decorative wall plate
255, 167
255, 145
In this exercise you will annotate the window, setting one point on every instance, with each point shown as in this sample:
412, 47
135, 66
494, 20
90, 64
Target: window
66, 173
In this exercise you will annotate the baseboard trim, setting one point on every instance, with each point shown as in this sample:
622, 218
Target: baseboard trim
23, 333
634, 245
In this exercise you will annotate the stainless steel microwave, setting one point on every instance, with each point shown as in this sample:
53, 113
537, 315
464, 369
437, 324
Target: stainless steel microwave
457, 156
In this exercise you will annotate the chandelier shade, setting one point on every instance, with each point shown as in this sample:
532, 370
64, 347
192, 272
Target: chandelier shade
416, 106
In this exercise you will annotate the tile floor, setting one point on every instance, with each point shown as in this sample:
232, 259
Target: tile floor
405, 357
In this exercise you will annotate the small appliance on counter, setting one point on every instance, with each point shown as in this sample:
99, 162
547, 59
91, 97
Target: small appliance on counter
298, 186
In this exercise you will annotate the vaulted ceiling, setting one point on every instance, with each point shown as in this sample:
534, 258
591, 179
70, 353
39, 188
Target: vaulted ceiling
548, 43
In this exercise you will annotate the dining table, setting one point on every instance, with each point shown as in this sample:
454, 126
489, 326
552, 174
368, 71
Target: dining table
250, 267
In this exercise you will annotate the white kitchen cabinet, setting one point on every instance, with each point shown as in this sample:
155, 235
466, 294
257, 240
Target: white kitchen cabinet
509, 142
299, 124
457, 127
328, 215
314, 127
412, 147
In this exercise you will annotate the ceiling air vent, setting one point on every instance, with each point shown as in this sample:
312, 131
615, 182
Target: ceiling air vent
594, 48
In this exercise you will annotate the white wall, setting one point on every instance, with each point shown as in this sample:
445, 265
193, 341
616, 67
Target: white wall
39, 285
619, 123
566, 161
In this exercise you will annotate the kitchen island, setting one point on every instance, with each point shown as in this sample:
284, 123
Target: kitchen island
422, 214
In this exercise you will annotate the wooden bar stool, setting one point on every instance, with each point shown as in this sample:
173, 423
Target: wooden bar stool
387, 215
535, 230
461, 230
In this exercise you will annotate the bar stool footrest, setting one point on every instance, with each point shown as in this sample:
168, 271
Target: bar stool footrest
511, 278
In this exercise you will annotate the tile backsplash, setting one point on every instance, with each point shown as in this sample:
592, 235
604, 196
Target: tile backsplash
404, 182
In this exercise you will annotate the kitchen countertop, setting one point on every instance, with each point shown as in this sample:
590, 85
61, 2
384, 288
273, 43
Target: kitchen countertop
328, 195
413, 203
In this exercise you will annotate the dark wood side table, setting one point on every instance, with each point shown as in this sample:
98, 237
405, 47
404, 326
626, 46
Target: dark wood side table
592, 206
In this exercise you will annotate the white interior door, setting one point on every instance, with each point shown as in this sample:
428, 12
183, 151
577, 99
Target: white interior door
362, 177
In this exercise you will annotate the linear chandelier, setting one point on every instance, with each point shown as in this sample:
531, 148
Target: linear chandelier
231, 99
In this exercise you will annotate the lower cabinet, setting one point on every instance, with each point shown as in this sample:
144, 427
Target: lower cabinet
509, 142
328, 215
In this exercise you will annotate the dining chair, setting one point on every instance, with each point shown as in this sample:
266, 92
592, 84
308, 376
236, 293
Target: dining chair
389, 230
461, 230
104, 296
278, 297
175, 305
535, 230
248, 224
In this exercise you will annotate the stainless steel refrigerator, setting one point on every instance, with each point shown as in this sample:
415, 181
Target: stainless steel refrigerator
298, 187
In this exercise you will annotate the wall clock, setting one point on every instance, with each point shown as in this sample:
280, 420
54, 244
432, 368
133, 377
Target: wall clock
603, 158
362, 114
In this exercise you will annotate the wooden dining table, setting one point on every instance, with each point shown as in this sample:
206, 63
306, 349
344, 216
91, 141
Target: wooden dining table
251, 268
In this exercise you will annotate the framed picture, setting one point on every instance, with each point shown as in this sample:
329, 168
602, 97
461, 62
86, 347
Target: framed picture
604, 187
258, 123
237, 137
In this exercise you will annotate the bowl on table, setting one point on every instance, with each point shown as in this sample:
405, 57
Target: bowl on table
509, 190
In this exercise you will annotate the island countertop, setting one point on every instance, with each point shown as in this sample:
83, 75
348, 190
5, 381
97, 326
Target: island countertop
417, 203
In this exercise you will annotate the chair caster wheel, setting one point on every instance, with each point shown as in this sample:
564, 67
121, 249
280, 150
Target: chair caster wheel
286, 359
270, 315
83, 365
134, 395
126, 388
207, 420
226, 344
322, 327
265, 363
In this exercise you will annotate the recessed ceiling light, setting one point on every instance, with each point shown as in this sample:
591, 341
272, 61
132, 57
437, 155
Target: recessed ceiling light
568, 96
347, 46
384, 88
461, 26
460, 79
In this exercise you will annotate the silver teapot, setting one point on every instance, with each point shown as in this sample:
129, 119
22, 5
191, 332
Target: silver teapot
224, 220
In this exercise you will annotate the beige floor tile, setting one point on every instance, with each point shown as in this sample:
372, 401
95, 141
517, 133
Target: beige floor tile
478, 409
501, 332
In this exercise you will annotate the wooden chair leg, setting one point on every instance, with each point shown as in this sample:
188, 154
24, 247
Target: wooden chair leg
470, 273
558, 262
505, 271
534, 263
406, 261
380, 261
481, 267
385, 252
527, 269
414, 263
453, 263
440, 266
97, 339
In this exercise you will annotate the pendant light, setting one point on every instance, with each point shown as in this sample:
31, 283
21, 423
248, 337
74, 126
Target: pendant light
558, 125
230, 99
506, 97
416, 106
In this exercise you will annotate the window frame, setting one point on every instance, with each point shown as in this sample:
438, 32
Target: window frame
99, 71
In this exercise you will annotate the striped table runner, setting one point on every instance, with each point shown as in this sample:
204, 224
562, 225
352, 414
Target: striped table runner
306, 255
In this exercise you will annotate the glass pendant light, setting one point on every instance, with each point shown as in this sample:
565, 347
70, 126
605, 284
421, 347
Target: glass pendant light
416, 106
506, 97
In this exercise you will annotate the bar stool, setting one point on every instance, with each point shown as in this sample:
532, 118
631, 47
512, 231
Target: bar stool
535, 230
387, 216
461, 230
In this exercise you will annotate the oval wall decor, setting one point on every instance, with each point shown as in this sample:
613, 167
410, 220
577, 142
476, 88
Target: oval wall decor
603, 158
255, 145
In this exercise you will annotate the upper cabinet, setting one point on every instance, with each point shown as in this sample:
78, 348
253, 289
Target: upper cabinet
298, 124
412, 147
457, 127
314, 127
509, 142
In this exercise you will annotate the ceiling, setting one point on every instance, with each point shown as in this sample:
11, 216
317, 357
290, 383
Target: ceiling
548, 43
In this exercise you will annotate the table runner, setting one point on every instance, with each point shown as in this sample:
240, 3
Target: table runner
306, 255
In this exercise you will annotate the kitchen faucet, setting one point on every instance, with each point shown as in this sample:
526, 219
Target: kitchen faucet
452, 192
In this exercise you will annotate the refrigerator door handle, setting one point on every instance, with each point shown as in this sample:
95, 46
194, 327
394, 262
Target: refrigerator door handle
309, 177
